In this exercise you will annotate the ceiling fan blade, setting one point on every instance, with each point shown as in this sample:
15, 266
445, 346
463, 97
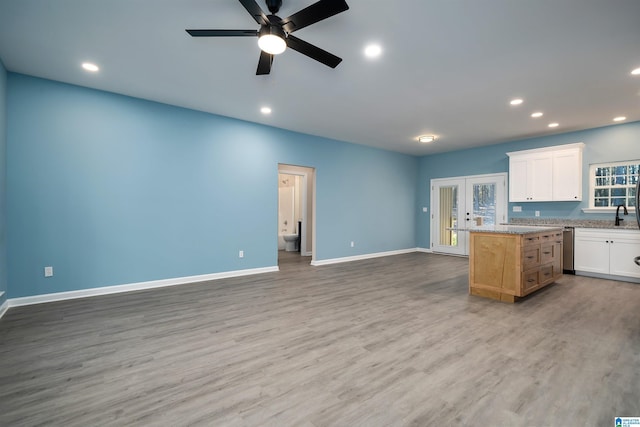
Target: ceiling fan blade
314, 52
264, 64
222, 33
255, 11
316, 12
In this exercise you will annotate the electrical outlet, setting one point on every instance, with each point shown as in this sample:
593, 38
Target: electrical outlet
48, 271
425, 209
241, 254
537, 213
353, 244
517, 208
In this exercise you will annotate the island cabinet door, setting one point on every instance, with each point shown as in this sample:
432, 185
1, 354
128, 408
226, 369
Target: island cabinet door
530, 281
531, 258
547, 253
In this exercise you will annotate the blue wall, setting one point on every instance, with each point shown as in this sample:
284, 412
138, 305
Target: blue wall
606, 144
111, 190
3, 180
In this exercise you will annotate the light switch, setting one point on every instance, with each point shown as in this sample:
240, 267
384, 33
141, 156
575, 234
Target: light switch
424, 209
48, 271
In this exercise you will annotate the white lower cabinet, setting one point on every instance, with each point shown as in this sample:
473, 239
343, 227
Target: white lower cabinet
607, 252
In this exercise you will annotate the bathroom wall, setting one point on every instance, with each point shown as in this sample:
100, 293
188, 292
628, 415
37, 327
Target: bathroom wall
113, 190
605, 144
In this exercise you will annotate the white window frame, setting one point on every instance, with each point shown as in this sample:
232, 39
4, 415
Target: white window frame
592, 186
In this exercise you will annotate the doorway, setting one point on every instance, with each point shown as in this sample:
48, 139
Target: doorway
296, 214
463, 202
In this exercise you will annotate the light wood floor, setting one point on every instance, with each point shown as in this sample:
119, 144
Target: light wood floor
385, 342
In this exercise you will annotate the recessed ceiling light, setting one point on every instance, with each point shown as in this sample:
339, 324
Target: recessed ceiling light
553, 125
265, 110
537, 114
516, 101
426, 138
620, 119
90, 67
636, 72
372, 51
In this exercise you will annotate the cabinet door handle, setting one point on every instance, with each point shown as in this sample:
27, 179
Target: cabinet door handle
530, 280
546, 253
546, 236
530, 257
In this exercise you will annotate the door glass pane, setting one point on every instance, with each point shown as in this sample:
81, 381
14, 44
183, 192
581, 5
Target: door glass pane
449, 215
484, 204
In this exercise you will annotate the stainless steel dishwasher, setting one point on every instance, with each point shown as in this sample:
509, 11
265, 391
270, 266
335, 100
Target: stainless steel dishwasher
567, 250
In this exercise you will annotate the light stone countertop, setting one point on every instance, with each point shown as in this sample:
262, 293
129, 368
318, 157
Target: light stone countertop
512, 229
629, 222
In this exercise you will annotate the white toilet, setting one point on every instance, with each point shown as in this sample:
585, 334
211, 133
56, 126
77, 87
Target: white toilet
290, 241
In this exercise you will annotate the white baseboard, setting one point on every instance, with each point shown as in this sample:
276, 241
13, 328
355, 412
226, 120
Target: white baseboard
608, 276
424, 250
3, 308
84, 293
361, 257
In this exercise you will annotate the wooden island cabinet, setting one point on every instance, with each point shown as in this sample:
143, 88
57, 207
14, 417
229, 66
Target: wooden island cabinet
508, 262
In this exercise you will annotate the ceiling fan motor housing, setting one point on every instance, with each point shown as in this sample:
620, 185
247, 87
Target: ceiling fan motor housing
274, 5
275, 30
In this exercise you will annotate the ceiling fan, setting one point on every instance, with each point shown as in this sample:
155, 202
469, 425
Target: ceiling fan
274, 35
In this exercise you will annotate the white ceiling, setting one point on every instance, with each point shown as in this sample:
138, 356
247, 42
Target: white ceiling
449, 67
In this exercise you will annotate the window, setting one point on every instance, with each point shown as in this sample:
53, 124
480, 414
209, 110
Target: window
613, 184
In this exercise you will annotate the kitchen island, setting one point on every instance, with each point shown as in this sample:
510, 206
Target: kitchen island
508, 262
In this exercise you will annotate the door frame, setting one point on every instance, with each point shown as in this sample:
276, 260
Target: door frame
462, 201
285, 169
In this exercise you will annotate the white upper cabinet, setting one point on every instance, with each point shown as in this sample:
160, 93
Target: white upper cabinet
546, 174
567, 174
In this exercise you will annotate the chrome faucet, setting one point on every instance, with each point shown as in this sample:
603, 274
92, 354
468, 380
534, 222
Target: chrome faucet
618, 219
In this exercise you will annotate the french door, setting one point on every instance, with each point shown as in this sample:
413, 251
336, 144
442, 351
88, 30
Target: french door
458, 204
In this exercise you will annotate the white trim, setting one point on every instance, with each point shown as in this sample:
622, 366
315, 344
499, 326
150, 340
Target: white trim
424, 250
84, 293
3, 308
284, 168
592, 187
550, 148
362, 257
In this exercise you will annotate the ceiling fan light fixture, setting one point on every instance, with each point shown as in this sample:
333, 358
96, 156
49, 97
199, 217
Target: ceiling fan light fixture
271, 40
